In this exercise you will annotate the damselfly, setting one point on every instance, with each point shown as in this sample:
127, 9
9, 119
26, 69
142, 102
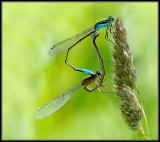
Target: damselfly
58, 102
68, 44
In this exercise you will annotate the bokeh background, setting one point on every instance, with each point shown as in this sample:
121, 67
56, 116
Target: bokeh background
31, 78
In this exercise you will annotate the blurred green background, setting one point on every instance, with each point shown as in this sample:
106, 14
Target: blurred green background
31, 78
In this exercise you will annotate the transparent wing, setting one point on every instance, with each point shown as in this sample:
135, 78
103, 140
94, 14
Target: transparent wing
63, 46
57, 103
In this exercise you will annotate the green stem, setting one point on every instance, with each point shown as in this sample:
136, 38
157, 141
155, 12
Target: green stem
142, 131
145, 119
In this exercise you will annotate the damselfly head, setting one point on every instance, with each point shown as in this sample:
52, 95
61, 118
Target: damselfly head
111, 19
98, 73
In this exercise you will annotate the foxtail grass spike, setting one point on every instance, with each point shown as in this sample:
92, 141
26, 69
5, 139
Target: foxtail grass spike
125, 78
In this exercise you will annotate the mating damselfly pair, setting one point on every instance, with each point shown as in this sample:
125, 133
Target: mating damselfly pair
97, 78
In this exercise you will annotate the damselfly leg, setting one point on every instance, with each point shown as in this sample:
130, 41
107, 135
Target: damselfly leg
109, 28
